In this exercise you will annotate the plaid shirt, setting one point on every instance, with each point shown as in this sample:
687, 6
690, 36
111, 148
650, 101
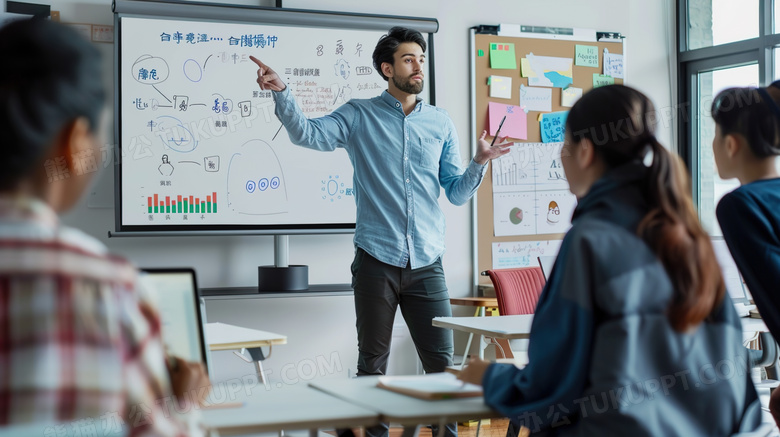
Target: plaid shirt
75, 346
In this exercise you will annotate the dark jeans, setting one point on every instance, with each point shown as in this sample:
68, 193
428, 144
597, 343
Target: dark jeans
422, 295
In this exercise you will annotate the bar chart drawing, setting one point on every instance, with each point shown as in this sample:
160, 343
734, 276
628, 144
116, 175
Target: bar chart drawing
182, 204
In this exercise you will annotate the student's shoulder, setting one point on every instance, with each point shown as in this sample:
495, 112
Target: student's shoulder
91, 250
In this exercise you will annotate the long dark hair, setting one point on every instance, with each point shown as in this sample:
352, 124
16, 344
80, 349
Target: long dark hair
49, 78
620, 122
752, 113
388, 44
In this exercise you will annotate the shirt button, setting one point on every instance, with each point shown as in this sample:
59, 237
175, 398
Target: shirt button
397, 105
406, 158
407, 181
409, 210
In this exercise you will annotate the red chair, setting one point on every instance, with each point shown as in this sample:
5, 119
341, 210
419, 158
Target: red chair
517, 290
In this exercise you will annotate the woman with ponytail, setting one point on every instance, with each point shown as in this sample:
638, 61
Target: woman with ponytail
746, 144
633, 333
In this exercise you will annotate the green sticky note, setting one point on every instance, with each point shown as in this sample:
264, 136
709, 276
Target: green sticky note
586, 56
601, 80
480, 53
502, 56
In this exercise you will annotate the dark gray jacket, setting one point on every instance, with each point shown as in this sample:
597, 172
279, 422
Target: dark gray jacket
604, 359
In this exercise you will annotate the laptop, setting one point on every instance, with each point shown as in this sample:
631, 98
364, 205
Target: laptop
174, 291
734, 283
546, 263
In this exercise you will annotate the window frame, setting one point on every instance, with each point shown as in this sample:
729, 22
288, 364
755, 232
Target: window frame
691, 63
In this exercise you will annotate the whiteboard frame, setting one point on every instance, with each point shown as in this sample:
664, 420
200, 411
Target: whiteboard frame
176, 9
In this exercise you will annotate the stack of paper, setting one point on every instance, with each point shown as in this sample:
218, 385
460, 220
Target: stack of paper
430, 386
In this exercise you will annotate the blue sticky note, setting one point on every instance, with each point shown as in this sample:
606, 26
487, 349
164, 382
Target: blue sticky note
552, 126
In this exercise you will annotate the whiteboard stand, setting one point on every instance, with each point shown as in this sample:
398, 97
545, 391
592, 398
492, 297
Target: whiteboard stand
282, 276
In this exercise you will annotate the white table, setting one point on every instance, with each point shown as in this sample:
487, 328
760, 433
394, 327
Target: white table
288, 408
508, 327
405, 410
750, 324
221, 337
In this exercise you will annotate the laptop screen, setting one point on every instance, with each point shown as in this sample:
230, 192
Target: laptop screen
175, 294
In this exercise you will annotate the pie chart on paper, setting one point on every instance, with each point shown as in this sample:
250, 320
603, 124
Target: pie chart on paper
516, 216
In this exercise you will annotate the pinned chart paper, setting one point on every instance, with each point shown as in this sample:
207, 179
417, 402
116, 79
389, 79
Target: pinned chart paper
570, 95
516, 254
530, 196
500, 87
535, 99
515, 125
613, 64
502, 56
552, 126
586, 56
601, 80
549, 71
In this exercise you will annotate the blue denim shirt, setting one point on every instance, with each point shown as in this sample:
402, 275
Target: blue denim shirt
400, 164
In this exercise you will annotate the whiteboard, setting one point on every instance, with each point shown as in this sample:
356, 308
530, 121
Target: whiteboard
200, 145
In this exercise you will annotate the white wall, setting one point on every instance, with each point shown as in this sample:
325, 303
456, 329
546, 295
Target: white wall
232, 261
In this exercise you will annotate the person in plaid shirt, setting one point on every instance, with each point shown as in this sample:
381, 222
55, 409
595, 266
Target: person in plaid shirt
79, 348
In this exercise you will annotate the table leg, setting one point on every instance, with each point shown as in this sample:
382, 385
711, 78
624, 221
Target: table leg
410, 431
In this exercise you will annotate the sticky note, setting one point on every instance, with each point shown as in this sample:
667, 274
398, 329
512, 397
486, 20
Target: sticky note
552, 126
502, 56
586, 56
480, 53
535, 99
515, 125
613, 64
601, 80
570, 95
500, 87
525, 68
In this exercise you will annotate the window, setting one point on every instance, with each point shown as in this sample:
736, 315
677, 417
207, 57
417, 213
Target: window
723, 43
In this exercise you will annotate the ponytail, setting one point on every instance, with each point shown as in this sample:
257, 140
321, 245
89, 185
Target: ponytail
671, 228
673, 232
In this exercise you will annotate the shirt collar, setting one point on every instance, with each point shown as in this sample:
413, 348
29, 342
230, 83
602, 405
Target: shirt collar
395, 103
26, 208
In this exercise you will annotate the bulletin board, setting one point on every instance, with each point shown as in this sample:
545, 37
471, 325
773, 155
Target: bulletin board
534, 241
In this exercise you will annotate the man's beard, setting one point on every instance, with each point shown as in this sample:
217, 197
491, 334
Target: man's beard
408, 87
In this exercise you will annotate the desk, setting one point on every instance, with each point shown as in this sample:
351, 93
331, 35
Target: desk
750, 324
297, 407
508, 327
481, 303
406, 410
221, 337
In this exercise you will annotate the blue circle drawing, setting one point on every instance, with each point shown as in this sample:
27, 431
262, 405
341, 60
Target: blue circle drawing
262, 184
250, 186
275, 182
333, 187
192, 70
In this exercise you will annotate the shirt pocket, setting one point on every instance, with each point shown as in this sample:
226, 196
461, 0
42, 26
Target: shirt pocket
430, 152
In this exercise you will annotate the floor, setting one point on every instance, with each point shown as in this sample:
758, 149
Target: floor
496, 428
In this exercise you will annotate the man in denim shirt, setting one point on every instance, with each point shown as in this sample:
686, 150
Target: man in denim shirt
403, 152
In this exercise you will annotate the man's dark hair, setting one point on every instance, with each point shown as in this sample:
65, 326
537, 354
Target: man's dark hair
50, 77
388, 44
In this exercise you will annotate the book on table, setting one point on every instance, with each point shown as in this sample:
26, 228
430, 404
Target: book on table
430, 386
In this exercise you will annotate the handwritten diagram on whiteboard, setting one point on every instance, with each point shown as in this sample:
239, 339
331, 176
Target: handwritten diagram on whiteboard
530, 192
200, 142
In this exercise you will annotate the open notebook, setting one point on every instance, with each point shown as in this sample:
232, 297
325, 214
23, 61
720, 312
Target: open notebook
430, 386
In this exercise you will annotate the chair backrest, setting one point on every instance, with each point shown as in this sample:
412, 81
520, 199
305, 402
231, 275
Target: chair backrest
517, 290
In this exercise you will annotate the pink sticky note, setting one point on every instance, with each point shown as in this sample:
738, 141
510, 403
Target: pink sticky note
515, 125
